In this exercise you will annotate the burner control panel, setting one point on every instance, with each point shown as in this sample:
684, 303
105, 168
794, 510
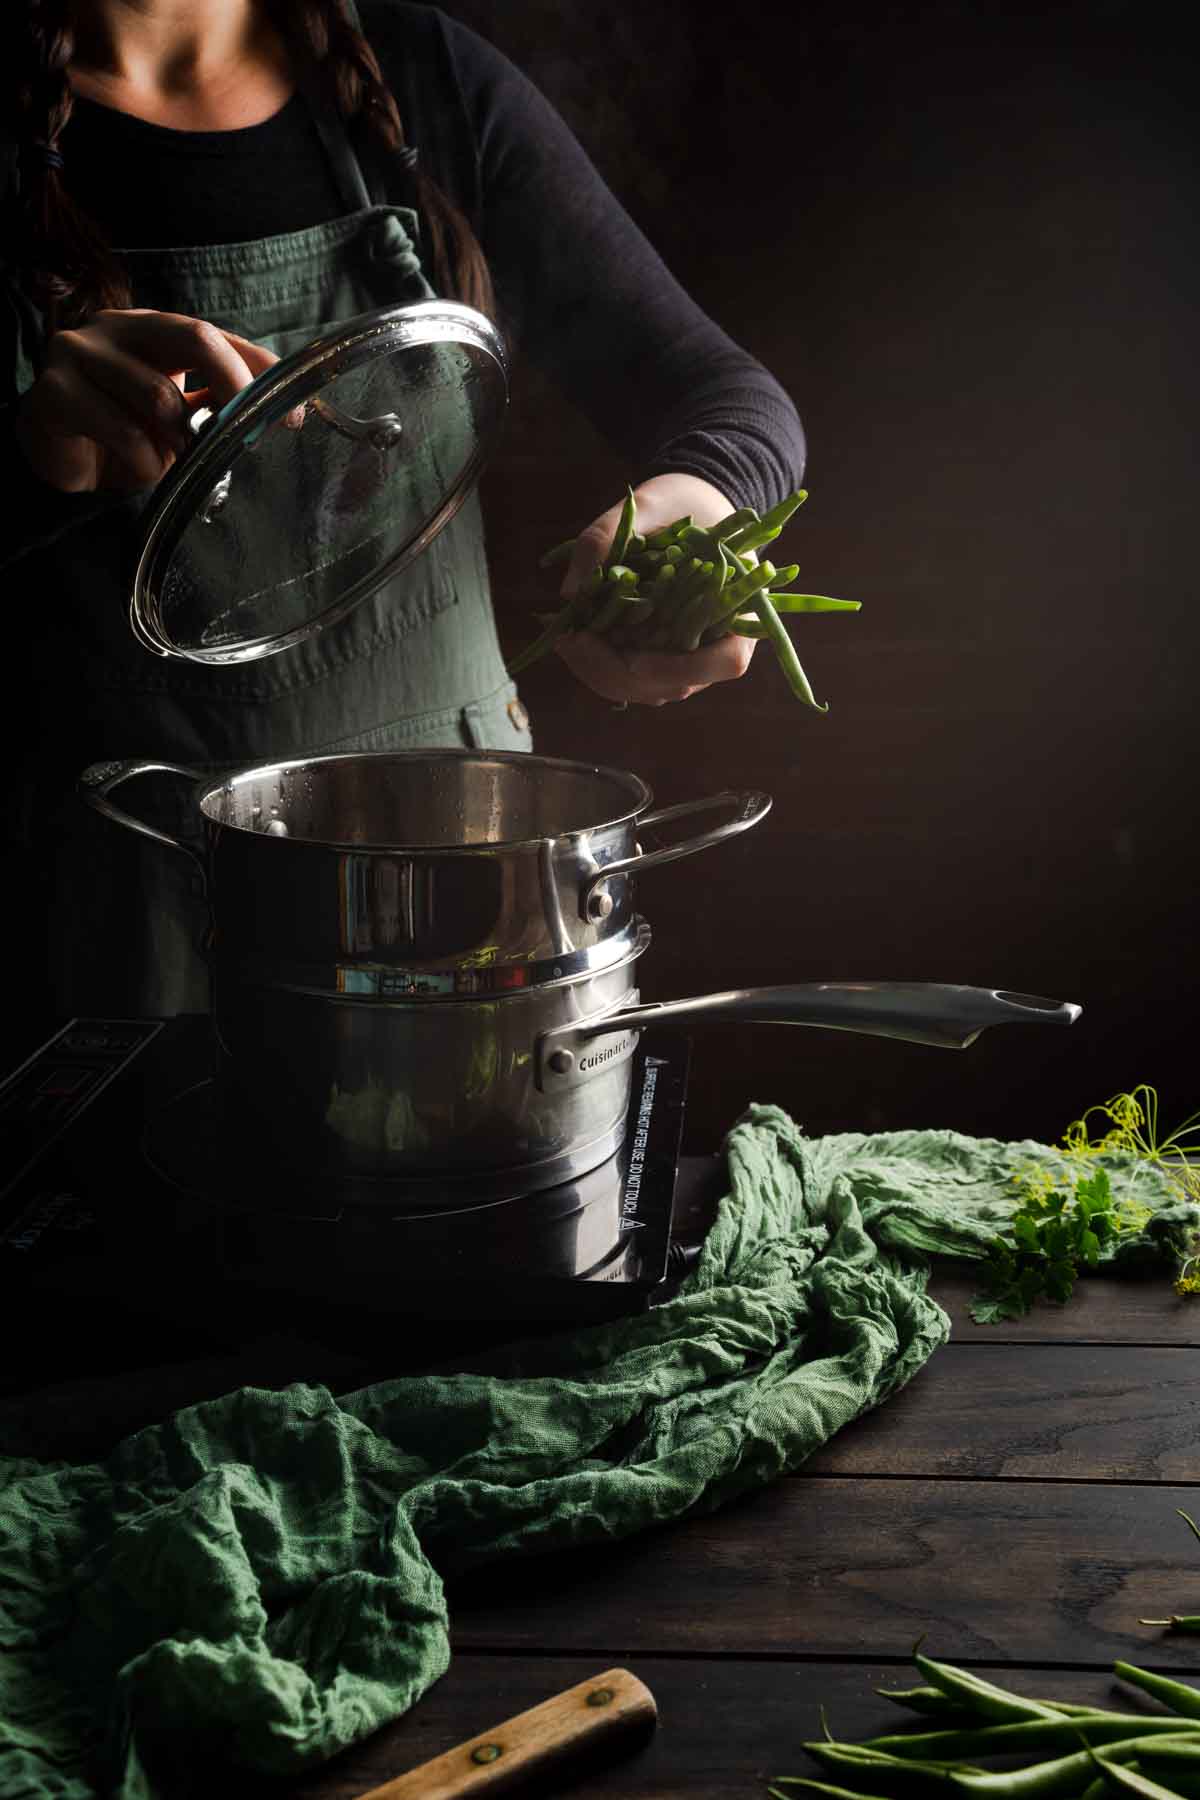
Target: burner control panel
42, 1208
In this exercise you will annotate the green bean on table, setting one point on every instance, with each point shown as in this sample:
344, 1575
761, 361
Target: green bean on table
1096, 1751
685, 586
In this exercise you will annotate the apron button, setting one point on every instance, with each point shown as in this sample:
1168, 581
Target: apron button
518, 716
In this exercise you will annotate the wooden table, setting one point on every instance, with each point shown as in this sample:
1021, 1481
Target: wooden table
1016, 1503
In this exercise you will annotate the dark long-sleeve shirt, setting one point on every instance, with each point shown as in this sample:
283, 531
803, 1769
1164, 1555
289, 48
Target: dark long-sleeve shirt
578, 286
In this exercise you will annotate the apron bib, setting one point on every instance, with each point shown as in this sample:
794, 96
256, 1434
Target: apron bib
416, 665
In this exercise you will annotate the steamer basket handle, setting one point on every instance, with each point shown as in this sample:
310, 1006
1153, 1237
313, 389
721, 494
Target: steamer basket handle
97, 783
595, 902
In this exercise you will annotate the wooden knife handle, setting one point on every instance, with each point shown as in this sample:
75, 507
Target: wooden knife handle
599, 1713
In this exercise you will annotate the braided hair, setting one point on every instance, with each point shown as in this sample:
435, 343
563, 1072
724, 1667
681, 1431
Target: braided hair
68, 266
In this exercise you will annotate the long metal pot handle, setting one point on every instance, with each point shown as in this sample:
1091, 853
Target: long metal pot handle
98, 781
748, 809
916, 1012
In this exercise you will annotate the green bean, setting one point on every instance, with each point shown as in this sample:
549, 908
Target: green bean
623, 574
788, 573
1177, 1695
1061, 1779
1065, 1706
921, 1699
785, 651
1188, 1520
710, 608
658, 540
745, 515
901, 1775
982, 1696
781, 512
818, 1787
689, 587
1131, 1781
1059, 1733
752, 537
571, 617
811, 603
624, 531
615, 605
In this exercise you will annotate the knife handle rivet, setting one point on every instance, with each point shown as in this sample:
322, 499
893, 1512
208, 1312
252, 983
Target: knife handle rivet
600, 1697
486, 1753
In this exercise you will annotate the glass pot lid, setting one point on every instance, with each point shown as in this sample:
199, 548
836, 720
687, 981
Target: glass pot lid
317, 482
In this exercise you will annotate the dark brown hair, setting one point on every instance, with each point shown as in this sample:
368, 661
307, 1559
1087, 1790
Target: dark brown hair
68, 266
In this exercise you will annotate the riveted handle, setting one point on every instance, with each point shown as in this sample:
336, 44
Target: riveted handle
595, 902
915, 1012
605, 1715
98, 781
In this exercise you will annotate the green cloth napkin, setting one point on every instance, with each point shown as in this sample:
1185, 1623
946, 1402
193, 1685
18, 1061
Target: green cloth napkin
261, 1575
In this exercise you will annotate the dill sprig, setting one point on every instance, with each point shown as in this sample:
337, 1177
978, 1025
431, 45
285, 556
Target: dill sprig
1064, 1219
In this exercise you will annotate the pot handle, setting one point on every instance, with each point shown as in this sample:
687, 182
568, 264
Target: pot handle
98, 781
916, 1012
748, 808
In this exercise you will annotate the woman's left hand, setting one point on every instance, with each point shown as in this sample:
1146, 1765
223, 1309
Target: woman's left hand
649, 677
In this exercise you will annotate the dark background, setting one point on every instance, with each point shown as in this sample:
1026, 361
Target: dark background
964, 240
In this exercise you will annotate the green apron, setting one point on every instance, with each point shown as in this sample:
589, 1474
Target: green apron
416, 665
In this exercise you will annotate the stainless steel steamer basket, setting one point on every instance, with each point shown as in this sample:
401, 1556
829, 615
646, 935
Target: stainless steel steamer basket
445, 872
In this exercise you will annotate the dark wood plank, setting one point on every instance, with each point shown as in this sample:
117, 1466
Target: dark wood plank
1063, 1412
725, 1726
1100, 1311
992, 1571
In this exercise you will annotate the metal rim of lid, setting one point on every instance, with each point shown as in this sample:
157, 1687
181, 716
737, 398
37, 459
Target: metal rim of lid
296, 378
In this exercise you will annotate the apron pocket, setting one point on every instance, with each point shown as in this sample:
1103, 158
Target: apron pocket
498, 722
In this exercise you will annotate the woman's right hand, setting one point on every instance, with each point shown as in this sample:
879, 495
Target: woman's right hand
108, 409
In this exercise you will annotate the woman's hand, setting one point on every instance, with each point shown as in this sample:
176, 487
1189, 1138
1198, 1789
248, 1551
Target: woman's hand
108, 409
650, 677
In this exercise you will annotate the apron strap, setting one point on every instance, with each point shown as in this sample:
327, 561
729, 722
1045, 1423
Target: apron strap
331, 129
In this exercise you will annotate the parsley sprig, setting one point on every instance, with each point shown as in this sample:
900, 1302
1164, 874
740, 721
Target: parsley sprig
1053, 1234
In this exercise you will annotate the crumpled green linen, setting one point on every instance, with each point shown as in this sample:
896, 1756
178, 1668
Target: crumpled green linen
261, 1575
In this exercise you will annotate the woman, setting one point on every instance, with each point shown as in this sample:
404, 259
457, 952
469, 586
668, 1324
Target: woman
196, 186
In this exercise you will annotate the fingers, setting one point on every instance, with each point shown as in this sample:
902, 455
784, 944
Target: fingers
257, 358
176, 345
75, 409
148, 397
108, 409
651, 677
591, 548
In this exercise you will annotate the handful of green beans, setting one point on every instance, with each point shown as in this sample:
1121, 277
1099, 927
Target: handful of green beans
1087, 1753
686, 585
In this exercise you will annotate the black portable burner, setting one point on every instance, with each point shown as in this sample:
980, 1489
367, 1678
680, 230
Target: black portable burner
116, 1179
